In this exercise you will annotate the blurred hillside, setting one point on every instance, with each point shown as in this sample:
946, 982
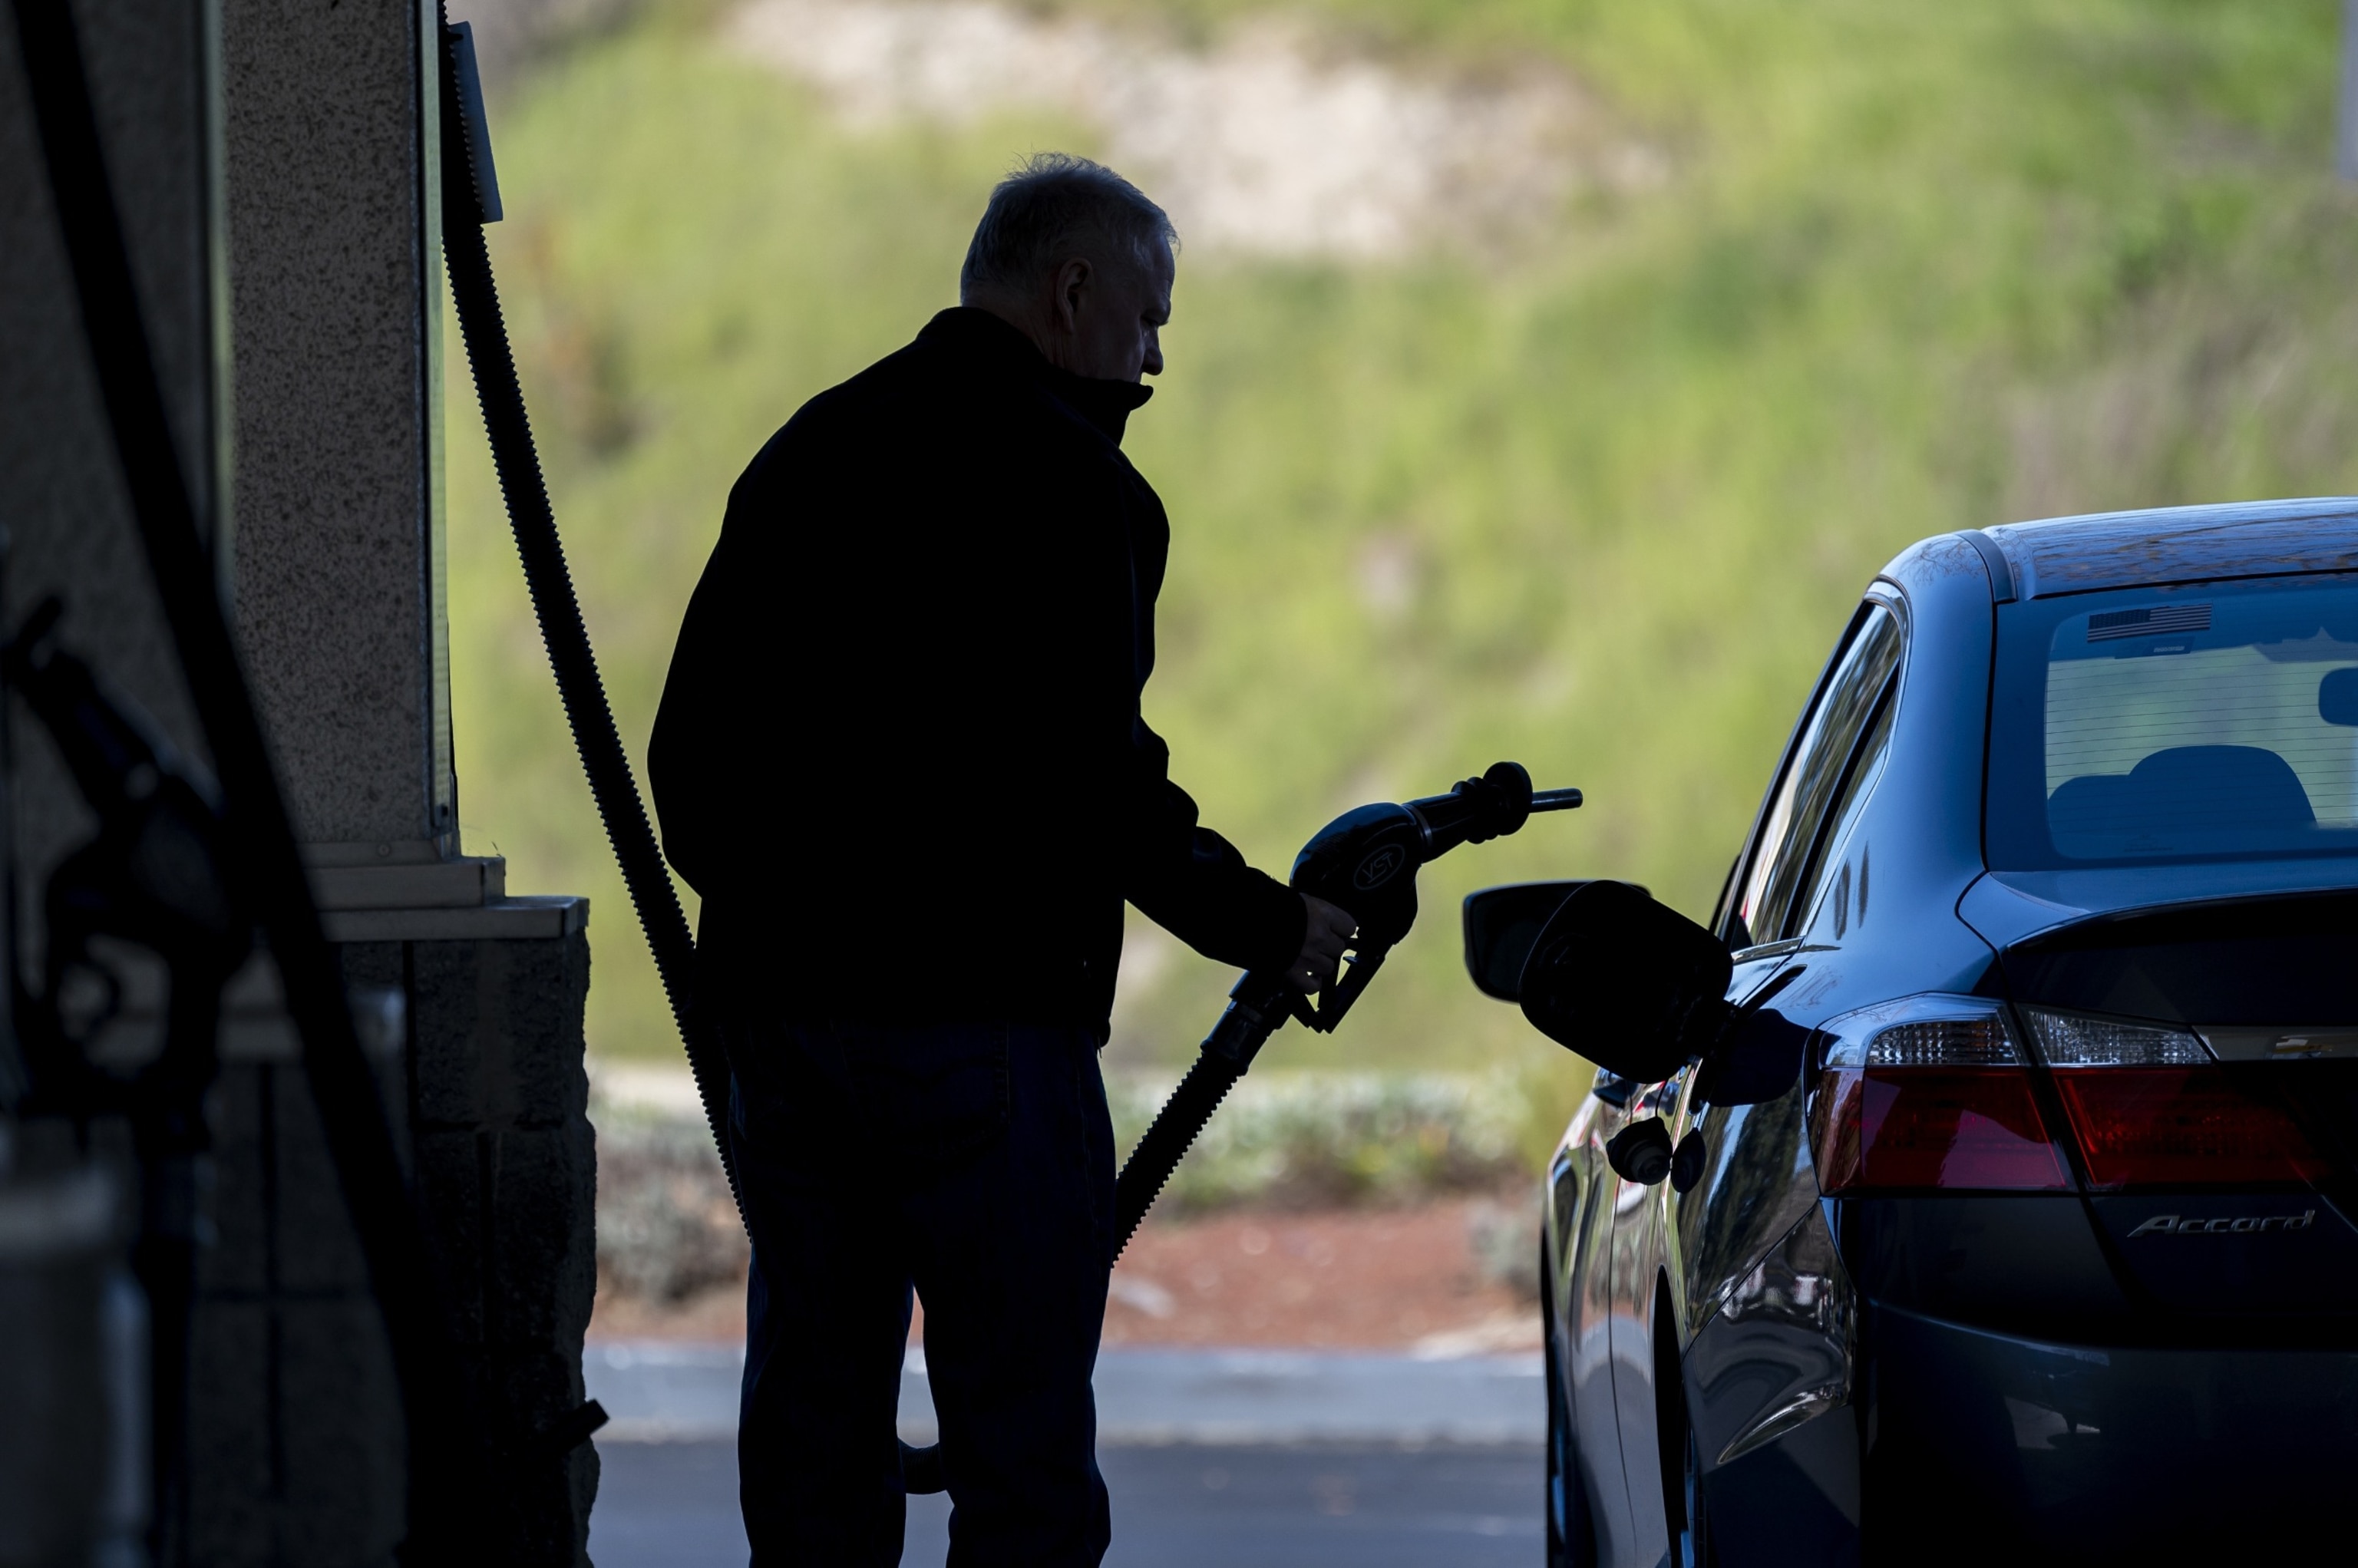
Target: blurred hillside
1593, 488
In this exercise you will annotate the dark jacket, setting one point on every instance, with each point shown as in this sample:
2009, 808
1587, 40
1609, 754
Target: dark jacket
900, 753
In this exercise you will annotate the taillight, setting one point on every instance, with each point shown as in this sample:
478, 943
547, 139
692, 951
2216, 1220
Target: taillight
2150, 1108
1929, 1092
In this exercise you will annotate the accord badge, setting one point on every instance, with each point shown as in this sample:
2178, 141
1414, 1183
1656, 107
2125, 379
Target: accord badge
2171, 1225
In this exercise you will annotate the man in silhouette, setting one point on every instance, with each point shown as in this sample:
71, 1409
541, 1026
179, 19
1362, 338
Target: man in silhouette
901, 757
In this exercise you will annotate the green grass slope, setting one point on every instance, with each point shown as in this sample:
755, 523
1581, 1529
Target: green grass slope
1599, 504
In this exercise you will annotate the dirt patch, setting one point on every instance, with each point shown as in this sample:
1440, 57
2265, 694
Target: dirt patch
1269, 139
1380, 1279
1422, 1278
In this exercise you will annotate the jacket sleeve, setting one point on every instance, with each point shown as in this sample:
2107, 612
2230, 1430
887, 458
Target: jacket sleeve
1192, 882
682, 771
700, 756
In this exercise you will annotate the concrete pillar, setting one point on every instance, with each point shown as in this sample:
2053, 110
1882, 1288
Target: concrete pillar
279, 183
336, 319
331, 156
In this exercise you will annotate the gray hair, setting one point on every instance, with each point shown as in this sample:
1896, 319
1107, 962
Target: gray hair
1052, 206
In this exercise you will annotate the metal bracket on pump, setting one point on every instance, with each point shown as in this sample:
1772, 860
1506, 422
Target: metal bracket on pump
483, 177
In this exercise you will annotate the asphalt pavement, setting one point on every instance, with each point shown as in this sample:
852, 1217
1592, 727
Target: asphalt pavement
673, 1505
1257, 1459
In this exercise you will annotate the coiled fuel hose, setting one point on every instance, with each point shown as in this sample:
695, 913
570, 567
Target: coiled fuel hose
470, 199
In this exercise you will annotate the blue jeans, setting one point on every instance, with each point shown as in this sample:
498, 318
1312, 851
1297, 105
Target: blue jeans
973, 1162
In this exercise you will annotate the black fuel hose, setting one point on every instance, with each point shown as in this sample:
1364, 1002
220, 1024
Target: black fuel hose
1167, 1140
1258, 1007
526, 490
453, 1515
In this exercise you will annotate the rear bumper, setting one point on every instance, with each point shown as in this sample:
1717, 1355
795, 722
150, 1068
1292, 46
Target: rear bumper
1974, 1442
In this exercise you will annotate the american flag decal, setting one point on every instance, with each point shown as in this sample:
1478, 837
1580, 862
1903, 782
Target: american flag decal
2156, 620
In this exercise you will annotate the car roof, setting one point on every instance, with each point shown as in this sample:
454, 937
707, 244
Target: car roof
2180, 544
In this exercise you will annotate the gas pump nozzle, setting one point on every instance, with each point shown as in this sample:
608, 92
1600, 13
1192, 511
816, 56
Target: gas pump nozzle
1365, 861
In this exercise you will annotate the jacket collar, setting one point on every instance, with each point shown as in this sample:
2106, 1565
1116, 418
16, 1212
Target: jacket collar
984, 340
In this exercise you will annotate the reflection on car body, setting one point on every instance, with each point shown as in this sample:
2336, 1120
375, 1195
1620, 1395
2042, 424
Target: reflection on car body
2019, 1150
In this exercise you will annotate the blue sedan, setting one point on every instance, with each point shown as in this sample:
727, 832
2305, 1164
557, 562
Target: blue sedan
1979, 1186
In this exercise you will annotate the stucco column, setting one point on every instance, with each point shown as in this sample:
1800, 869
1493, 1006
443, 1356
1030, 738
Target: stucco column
331, 155
274, 168
336, 312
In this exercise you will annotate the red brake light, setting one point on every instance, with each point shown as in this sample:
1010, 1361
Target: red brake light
2181, 1126
1916, 1127
1929, 1093
2150, 1110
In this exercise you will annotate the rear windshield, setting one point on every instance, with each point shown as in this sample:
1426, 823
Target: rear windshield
2218, 721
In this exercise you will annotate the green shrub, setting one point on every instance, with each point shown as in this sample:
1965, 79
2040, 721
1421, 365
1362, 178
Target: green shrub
1322, 1140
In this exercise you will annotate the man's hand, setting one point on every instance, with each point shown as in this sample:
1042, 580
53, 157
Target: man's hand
1323, 938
